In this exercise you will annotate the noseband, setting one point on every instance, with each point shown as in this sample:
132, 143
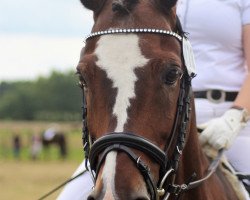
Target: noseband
126, 142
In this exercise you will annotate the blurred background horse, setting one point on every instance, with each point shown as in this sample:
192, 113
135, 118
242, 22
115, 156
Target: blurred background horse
53, 136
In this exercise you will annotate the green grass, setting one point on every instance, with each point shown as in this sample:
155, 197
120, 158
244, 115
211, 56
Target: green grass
25, 179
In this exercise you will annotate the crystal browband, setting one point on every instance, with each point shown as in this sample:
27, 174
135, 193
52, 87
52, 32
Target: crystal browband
145, 30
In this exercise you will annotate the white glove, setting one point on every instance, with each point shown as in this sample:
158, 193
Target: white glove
221, 132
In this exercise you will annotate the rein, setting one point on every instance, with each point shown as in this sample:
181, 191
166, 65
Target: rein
62, 185
95, 152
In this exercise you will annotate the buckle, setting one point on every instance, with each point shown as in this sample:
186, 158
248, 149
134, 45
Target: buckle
216, 96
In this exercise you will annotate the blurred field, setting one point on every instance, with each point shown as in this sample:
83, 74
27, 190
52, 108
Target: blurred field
25, 129
25, 179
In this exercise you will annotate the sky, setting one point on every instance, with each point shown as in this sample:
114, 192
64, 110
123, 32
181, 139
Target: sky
38, 36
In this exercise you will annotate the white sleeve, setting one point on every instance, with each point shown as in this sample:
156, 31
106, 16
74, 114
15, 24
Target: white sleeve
246, 12
78, 189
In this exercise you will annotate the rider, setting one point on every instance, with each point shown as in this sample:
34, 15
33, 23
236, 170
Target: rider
220, 35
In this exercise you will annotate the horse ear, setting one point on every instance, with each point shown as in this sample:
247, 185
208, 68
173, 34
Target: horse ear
92, 4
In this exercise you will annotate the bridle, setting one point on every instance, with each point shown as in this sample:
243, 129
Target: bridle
95, 152
125, 141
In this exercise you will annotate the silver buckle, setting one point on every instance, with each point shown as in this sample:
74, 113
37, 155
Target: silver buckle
221, 99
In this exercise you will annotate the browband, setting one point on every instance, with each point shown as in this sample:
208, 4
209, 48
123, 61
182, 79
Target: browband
134, 30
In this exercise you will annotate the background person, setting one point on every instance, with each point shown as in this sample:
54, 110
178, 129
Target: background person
36, 146
16, 145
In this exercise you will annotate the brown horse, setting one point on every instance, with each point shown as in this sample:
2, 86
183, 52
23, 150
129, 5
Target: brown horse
59, 140
141, 117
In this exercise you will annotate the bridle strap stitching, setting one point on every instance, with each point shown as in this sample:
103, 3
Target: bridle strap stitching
178, 112
184, 108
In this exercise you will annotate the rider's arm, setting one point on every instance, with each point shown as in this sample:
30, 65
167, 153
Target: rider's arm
243, 97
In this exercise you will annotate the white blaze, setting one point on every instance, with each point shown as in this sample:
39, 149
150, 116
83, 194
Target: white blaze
119, 56
108, 175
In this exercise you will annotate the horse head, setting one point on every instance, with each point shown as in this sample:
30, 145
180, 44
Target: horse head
136, 97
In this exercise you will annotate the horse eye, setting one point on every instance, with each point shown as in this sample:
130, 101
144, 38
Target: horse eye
82, 81
172, 75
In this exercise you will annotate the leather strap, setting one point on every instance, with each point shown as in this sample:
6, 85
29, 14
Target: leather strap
143, 168
129, 140
216, 95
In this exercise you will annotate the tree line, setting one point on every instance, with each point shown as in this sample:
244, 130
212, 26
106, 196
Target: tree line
56, 97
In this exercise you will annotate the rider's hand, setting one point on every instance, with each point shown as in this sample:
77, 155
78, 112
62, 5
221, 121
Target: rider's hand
221, 132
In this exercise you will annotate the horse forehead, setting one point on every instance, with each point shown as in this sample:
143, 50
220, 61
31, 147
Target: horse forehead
119, 52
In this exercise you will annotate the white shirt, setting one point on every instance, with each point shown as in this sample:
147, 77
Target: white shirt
215, 32
79, 188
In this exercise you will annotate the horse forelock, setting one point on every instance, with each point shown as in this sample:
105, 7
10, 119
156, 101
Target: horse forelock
124, 6
133, 14
127, 5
